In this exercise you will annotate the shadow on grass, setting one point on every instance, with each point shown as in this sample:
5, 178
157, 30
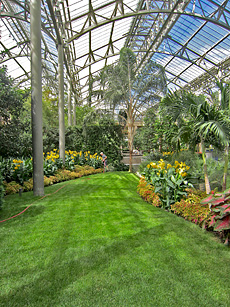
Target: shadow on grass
20, 216
164, 269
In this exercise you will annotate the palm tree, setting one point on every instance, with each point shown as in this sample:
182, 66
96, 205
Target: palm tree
225, 106
133, 92
204, 120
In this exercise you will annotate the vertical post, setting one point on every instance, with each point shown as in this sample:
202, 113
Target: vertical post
36, 97
74, 110
69, 104
90, 55
61, 103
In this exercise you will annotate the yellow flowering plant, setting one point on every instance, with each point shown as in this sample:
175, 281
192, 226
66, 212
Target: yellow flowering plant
169, 181
21, 170
82, 158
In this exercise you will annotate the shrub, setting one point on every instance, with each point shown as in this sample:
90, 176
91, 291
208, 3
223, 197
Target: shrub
1, 191
18, 170
28, 185
12, 187
146, 191
106, 137
62, 175
119, 166
190, 207
143, 166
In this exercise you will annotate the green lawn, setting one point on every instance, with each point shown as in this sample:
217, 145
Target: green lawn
96, 243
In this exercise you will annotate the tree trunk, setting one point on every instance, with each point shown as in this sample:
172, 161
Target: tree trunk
36, 98
225, 168
131, 132
69, 105
206, 180
61, 103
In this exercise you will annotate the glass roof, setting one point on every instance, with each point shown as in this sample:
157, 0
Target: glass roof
190, 39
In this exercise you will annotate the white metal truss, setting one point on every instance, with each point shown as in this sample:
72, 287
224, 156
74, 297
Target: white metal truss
189, 38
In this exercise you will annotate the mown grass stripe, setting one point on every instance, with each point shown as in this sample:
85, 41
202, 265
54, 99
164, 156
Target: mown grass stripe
96, 243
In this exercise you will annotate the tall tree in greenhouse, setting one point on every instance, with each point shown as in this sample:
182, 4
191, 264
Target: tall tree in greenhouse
12, 126
205, 121
225, 106
133, 92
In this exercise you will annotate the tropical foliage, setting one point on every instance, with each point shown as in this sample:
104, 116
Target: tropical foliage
170, 181
1, 191
20, 170
157, 133
190, 207
198, 122
12, 127
132, 92
219, 205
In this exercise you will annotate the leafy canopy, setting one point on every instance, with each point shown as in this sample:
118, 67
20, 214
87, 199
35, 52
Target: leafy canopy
122, 85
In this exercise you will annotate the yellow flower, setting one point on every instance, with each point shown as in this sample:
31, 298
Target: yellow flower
153, 164
162, 164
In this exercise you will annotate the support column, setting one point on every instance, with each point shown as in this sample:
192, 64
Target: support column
74, 110
61, 103
69, 104
36, 97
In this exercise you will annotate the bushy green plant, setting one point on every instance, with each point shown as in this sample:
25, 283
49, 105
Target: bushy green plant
61, 175
6, 169
18, 170
12, 187
153, 156
28, 185
23, 170
1, 191
104, 137
169, 181
189, 158
194, 160
13, 125
119, 166
74, 138
143, 166
219, 205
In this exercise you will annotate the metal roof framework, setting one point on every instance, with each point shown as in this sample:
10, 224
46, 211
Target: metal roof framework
189, 38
